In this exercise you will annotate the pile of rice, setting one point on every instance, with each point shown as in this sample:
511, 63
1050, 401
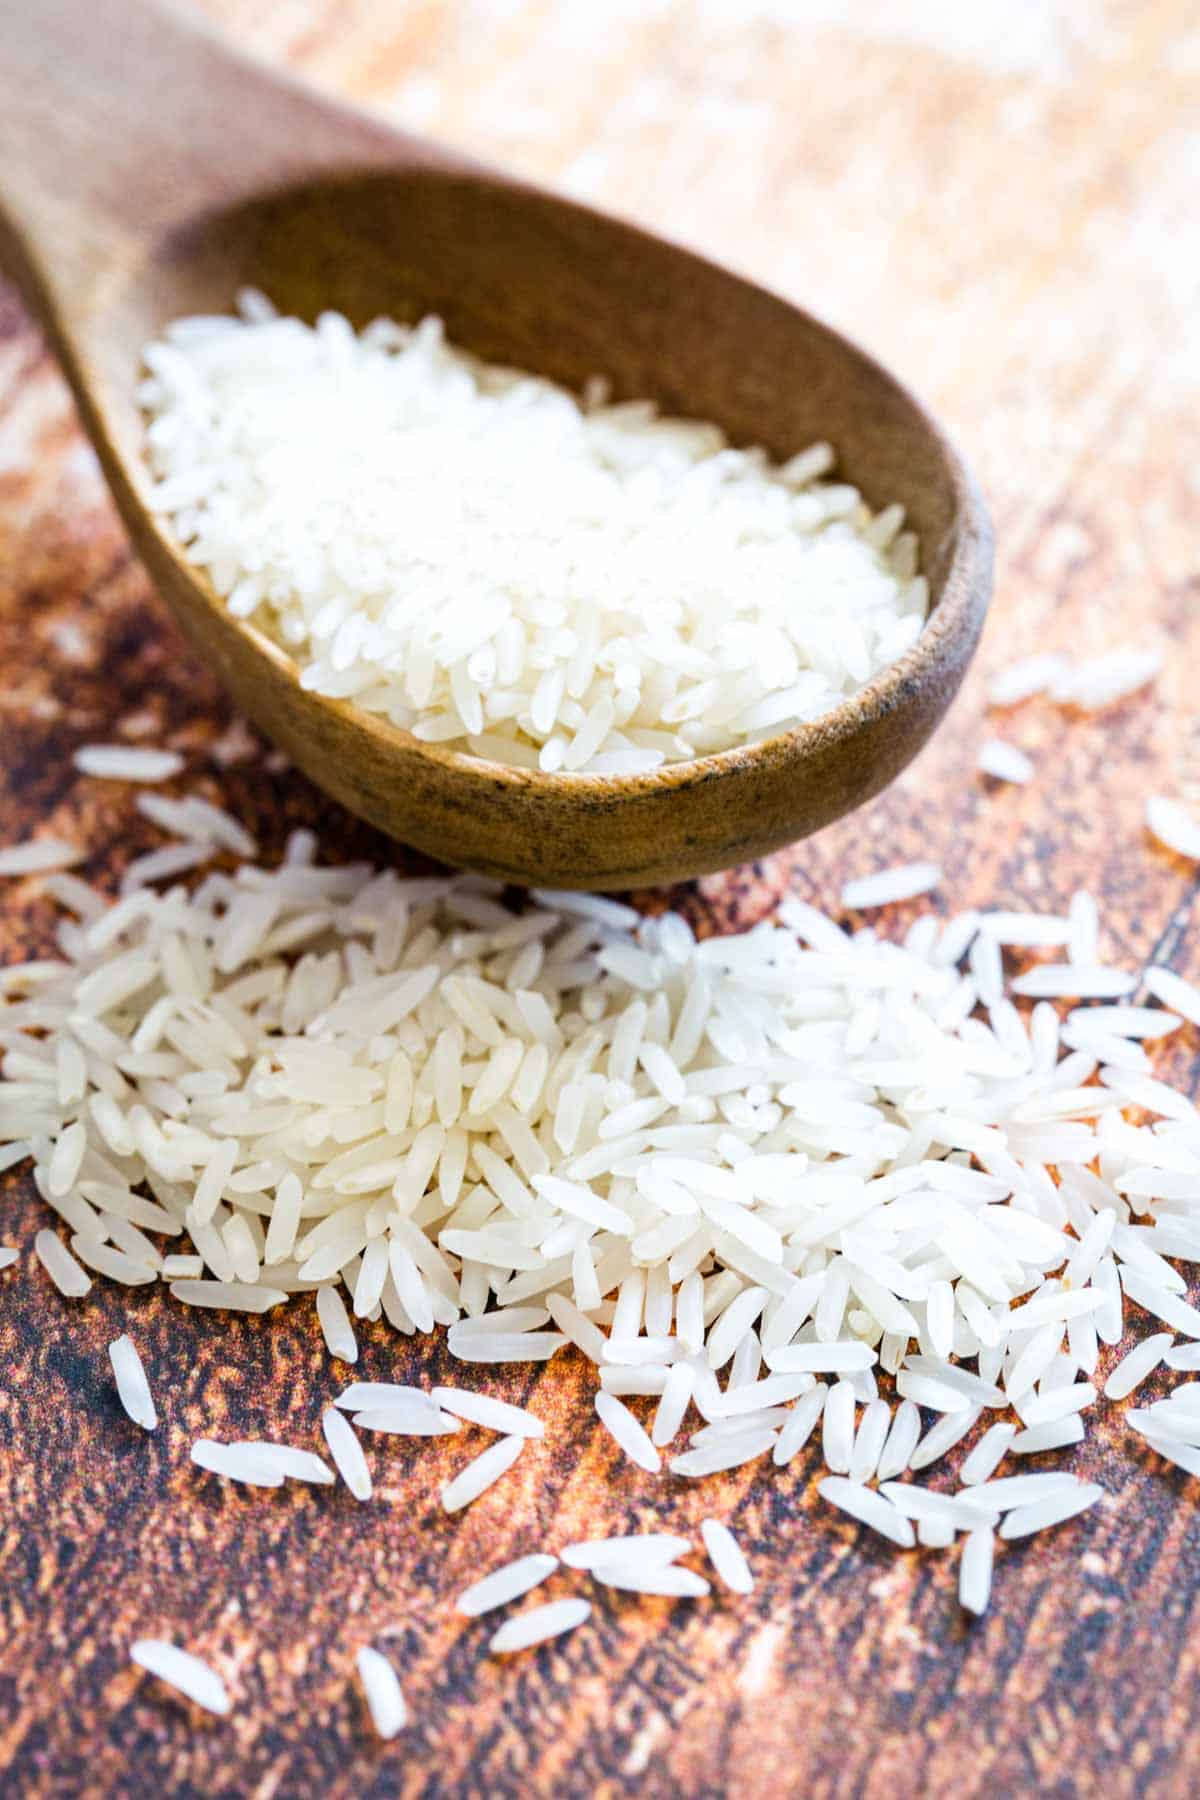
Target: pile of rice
754, 1179
496, 566
787, 1162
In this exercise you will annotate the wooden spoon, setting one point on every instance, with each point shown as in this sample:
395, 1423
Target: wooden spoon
146, 171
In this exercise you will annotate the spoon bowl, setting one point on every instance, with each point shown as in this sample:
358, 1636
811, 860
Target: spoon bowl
220, 173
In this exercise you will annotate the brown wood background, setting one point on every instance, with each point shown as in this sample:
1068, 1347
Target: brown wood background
1000, 199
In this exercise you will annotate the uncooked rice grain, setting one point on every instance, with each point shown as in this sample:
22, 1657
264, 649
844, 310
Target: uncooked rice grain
493, 1415
664, 1578
1040, 1515
338, 1332
869, 1508
881, 1169
133, 1389
726, 1556
505, 1584
1173, 826
539, 1625
39, 856
186, 1673
382, 1691
347, 1453
1133, 1369
975, 1569
905, 882
1004, 762
122, 762
237, 1462
646, 1550
627, 1433
479, 1475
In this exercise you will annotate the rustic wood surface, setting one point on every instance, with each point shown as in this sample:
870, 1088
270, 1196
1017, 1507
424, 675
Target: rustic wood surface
1000, 201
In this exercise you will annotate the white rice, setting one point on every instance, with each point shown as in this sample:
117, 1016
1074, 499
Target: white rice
493, 1415
988, 1454
479, 1475
1074, 981
1133, 1369
975, 1570
1180, 995
849, 1158
505, 1584
381, 1689
539, 1625
291, 1462
623, 589
133, 1389
39, 856
61, 1266
228, 1296
1101, 680
182, 1671
1171, 824
406, 1420
121, 762
247, 1463
869, 1508
347, 1453
1031, 675
725, 1554
340, 1340
902, 883
1040, 1515
1004, 762
664, 1578
646, 1550
627, 1433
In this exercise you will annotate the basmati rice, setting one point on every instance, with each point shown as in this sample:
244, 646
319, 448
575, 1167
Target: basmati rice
121, 762
182, 1671
1040, 1515
382, 1691
39, 856
1133, 1369
493, 1415
479, 1475
867, 1177
627, 1433
975, 1570
237, 1462
725, 1554
133, 1389
505, 1584
1173, 826
61, 1266
903, 883
1004, 762
539, 1625
647, 1549
869, 1508
347, 1453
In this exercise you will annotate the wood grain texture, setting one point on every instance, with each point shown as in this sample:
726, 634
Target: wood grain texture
1001, 205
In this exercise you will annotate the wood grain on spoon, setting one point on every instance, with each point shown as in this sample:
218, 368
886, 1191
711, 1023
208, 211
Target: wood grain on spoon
147, 172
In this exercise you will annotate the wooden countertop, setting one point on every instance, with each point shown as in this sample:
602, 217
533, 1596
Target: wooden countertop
1000, 201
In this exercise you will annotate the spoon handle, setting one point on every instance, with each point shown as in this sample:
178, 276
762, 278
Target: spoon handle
122, 120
